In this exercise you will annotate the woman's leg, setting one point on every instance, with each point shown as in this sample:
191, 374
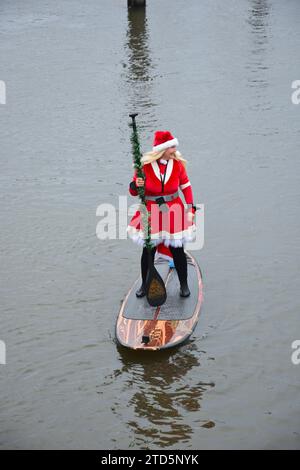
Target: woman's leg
180, 262
144, 262
144, 270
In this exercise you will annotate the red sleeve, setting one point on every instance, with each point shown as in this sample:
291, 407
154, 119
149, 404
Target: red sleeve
133, 192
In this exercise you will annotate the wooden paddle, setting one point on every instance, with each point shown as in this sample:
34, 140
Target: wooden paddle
155, 287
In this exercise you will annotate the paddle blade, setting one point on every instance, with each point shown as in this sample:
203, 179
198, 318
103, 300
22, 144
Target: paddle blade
155, 288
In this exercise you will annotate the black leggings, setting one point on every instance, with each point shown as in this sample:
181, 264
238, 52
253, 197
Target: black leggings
180, 262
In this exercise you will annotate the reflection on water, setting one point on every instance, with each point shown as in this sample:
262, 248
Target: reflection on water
139, 70
137, 42
257, 64
259, 11
161, 393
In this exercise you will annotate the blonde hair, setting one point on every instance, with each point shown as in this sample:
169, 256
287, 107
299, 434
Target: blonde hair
151, 156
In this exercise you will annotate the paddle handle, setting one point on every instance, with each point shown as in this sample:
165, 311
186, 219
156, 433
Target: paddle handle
133, 116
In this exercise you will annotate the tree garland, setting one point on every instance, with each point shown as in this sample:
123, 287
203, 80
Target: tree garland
146, 219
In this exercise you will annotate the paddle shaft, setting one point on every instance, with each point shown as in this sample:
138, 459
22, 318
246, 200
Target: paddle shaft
155, 287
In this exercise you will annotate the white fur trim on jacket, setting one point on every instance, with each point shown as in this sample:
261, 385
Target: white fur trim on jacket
175, 239
185, 185
168, 172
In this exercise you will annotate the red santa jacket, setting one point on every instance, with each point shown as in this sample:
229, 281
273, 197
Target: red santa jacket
176, 177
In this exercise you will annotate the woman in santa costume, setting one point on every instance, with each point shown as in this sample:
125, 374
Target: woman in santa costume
171, 224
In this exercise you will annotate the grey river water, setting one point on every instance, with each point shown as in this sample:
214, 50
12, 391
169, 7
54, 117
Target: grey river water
219, 76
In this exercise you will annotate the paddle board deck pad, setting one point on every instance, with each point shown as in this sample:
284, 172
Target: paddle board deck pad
140, 326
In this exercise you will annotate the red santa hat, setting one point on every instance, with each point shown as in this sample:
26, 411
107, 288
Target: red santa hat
163, 140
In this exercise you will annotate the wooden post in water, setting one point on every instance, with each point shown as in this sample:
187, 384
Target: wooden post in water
136, 3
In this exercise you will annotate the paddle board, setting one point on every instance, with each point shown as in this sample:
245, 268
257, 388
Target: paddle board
142, 327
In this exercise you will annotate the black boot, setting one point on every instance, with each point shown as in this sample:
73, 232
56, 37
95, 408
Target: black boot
180, 262
141, 292
184, 290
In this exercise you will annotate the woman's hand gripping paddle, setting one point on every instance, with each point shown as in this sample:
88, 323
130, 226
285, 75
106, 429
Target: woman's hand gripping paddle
155, 287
